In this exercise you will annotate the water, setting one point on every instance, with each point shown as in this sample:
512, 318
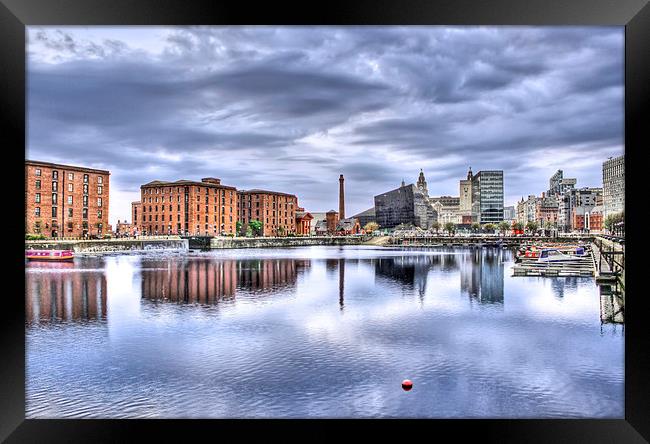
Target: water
317, 332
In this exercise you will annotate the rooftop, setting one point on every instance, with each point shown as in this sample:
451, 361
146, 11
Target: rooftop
157, 183
66, 167
258, 191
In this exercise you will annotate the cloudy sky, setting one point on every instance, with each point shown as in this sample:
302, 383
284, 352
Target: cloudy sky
291, 108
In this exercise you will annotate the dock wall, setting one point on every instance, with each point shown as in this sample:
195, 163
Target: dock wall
108, 245
283, 242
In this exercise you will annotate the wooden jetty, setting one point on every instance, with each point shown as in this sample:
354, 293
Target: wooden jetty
580, 267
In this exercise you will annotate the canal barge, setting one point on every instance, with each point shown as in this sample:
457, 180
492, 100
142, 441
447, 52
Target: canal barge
49, 255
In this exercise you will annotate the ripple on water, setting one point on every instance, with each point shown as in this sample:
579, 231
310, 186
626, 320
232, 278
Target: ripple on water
318, 346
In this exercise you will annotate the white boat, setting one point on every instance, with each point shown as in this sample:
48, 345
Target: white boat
554, 255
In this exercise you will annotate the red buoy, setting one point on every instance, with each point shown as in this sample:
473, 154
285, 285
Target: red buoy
407, 385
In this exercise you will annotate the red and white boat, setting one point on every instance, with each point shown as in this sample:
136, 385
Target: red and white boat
49, 255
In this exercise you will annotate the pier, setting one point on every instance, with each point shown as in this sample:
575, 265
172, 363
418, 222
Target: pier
503, 241
609, 262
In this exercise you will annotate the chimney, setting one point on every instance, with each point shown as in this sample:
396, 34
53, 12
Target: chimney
213, 180
341, 198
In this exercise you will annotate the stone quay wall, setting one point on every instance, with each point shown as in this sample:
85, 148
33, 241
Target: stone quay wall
282, 242
109, 245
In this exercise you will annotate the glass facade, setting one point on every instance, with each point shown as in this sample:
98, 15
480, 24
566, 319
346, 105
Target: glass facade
487, 197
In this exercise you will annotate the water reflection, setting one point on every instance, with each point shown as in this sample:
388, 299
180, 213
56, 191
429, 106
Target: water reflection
319, 333
207, 281
481, 271
612, 306
59, 292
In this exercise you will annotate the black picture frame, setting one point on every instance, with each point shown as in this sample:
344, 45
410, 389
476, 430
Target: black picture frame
16, 14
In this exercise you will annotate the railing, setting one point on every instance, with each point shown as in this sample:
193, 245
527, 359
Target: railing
615, 259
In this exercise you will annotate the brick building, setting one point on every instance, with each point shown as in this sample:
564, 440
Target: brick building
303, 222
187, 207
587, 219
123, 228
546, 211
331, 221
136, 218
276, 211
65, 200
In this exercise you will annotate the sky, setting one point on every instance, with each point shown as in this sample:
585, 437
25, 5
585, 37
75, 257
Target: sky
290, 108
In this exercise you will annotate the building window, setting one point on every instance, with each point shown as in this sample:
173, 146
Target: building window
37, 172
84, 213
69, 200
37, 198
99, 201
85, 201
85, 188
54, 197
69, 212
55, 186
70, 176
38, 184
55, 175
37, 211
100, 179
86, 180
53, 211
99, 214
70, 187
99, 190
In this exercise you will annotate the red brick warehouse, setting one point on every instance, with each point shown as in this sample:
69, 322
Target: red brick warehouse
65, 200
187, 207
276, 211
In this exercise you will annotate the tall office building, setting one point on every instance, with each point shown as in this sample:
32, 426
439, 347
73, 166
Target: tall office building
558, 184
487, 197
614, 185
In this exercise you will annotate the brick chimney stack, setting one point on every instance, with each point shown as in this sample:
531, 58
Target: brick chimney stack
341, 198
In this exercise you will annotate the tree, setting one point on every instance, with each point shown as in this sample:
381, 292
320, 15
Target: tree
475, 227
548, 226
281, 230
518, 226
532, 226
237, 228
256, 227
450, 227
249, 231
370, 227
489, 227
436, 226
612, 219
504, 227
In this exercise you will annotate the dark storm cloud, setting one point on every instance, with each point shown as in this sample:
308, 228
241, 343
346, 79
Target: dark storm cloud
292, 107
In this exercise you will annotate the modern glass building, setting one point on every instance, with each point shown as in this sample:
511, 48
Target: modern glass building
487, 197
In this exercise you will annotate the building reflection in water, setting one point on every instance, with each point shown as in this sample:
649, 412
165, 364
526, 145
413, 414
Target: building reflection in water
206, 281
482, 275
481, 272
54, 294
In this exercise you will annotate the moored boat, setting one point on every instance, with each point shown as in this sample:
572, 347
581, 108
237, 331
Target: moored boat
49, 255
555, 255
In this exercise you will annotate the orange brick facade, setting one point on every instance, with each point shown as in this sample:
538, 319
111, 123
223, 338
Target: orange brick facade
187, 207
65, 200
276, 211
136, 218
